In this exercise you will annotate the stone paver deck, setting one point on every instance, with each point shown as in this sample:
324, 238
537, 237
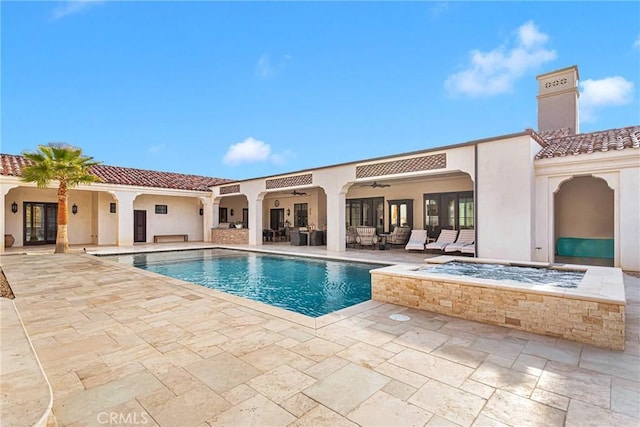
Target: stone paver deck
125, 347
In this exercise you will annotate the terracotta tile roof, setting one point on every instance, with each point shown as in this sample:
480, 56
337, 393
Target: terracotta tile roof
11, 165
560, 144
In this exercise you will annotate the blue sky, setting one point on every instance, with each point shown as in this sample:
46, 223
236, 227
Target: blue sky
247, 89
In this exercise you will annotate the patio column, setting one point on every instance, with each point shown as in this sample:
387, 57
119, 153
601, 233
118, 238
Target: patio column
5, 216
336, 219
125, 217
207, 218
255, 218
215, 209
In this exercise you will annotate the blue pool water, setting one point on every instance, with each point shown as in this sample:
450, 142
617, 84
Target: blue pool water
528, 275
308, 286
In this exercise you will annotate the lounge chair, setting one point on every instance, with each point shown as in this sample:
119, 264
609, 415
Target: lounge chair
399, 236
417, 240
366, 236
466, 237
351, 236
469, 249
445, 238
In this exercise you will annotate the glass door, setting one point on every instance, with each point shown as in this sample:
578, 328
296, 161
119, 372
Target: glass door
400, 214
40, 223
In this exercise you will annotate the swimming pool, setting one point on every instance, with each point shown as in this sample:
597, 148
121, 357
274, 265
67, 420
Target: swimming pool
308, 286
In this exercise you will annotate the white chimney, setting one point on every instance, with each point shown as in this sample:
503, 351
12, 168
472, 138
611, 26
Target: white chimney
558, 100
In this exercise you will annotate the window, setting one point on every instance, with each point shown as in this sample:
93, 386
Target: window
222, 215
162, 209
400, 213
432, 212
112, 207
465, 211
369, 212
449, 211
300, 218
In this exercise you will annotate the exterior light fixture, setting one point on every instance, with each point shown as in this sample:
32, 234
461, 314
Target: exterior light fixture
74, 209
14, 207
288, 212
201, 211
231, 212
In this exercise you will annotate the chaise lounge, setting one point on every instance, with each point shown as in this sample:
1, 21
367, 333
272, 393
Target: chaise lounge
445, 238
465, 238
417, 240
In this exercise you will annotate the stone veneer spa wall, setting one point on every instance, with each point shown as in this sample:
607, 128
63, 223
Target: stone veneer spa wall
584, 315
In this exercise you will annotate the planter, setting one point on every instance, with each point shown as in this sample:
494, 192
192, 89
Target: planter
238, 225
8, 240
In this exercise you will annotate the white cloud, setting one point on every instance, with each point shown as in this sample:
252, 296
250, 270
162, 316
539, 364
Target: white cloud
607, 92
266, 68
155, 149
439, 9
636, 43
72, 7
253, 150
495, 72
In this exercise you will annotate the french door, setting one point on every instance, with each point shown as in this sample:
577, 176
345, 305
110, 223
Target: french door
276, 219
40, 223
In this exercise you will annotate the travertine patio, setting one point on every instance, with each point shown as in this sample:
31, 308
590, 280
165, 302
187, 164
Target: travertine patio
120, 345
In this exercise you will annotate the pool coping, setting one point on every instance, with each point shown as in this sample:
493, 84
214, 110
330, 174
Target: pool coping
281, 313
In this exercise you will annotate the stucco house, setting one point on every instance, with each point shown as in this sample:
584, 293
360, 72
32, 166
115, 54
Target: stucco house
528, 195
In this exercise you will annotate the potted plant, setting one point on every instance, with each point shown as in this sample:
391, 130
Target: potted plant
237, 224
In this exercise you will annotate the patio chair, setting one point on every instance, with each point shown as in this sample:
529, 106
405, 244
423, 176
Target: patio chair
417, 240
351, 236
399, 236
466, 237
469, 249
298, 238
366, 236
445, 238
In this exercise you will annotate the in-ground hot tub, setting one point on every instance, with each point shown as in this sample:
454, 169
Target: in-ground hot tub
589, 310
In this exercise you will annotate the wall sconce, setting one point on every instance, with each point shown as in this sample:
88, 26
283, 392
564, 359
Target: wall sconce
231, 212
288, 212
201, 211
14, 207
74, 209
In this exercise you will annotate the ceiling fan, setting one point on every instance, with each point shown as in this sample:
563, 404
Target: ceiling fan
376, 184
298, 193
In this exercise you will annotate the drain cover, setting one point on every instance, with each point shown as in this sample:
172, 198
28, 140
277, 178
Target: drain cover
399, 317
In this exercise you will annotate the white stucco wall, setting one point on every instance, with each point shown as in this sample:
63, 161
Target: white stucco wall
505, 199
182, 216
80, 225
107, 221
630, 219
621, 171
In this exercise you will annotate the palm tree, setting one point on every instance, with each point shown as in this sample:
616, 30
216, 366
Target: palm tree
69, 167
